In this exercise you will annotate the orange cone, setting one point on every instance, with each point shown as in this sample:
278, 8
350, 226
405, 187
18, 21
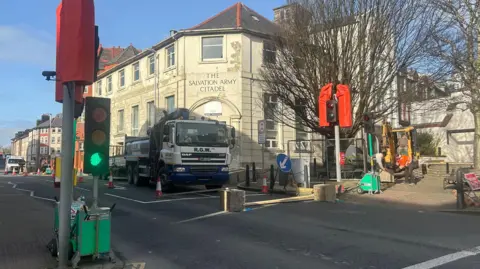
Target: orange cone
6, 171
110, 181
38, 171
264, 185
25, 173
14, 173
158, 190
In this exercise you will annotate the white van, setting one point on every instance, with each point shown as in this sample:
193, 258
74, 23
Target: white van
14, 162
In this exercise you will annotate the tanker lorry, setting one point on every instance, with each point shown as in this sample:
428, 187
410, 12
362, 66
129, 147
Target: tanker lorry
181, 150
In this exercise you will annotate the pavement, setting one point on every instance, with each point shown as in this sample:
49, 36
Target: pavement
186, 229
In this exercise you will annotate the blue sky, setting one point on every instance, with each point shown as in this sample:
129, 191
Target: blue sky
27, 44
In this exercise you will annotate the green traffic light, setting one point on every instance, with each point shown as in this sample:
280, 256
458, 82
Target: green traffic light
95, 159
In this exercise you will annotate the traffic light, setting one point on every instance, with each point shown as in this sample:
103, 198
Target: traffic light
97, 136
332, 111
368, 123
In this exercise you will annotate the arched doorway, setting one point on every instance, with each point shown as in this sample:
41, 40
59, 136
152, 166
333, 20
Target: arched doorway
223, 110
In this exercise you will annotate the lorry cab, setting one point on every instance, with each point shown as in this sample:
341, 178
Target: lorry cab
197, 151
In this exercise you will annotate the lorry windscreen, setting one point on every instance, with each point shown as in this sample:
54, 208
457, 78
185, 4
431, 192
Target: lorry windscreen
19, 161
201, 134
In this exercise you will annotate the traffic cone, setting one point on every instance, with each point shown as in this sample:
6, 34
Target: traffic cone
25, 173
38, 171
6, 171
110, 181
14, 173
158, 190
80, 176
264, 185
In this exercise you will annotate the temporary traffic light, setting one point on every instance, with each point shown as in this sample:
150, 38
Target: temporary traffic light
332, 111
368, 123
97, 135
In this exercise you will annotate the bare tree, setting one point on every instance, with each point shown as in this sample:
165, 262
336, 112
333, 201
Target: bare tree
360, 43
456, 47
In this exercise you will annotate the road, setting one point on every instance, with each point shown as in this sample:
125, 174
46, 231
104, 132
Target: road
188, 231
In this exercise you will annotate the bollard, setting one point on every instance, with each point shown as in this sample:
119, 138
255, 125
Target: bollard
460, 191
439, 151
247, 176
315, 167
447, 168
272, 177
254, 172
305, 176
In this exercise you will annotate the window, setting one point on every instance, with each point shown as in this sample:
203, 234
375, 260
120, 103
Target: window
99, 88
170, 103
109, 84
121, 78
81, 146
270, 107
269, 52
85, 89
59, 130
212, 48
53, 140
170, 56
53, 130
120, 121
150, 114
302, 143
134, 120
151, 64
136, 71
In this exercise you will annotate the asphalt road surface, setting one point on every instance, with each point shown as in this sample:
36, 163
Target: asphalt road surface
187, 230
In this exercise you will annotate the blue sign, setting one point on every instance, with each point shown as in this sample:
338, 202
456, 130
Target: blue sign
284, 163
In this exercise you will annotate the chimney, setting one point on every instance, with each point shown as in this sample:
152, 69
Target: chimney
173, 32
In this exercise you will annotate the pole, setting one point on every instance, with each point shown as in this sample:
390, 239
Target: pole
49, 137
66, 194
95, 192
337, 152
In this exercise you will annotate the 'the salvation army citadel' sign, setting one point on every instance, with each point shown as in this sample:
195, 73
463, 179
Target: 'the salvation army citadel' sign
212, 83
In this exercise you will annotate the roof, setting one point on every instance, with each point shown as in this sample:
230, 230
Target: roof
107, 54
239, 16
56, 122
236, 18
126, 54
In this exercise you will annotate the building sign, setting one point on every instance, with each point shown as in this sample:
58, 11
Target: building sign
213, 108
212, 83
261, 132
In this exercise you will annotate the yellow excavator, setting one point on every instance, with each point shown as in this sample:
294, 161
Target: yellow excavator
399, 157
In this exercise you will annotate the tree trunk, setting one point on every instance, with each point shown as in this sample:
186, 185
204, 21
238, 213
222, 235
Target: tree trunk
476, 140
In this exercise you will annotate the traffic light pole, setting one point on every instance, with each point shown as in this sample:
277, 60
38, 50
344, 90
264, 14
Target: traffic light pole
337, 152
66, 185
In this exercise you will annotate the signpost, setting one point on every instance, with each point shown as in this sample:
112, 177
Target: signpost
284, 163
261, 140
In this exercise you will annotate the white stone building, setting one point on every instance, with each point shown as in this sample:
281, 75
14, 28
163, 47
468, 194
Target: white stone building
212, 69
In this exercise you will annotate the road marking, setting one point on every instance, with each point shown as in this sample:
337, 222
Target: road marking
446, 259
125, 198
136, 265
255, 194
179, 199
32, 193
83, 189
190, 192
202, 217
206, 195
157, 201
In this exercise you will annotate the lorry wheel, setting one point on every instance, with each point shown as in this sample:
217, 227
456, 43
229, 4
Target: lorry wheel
212, 187
136, 177
130, 174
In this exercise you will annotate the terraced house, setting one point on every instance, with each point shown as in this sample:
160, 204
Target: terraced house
211, 68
